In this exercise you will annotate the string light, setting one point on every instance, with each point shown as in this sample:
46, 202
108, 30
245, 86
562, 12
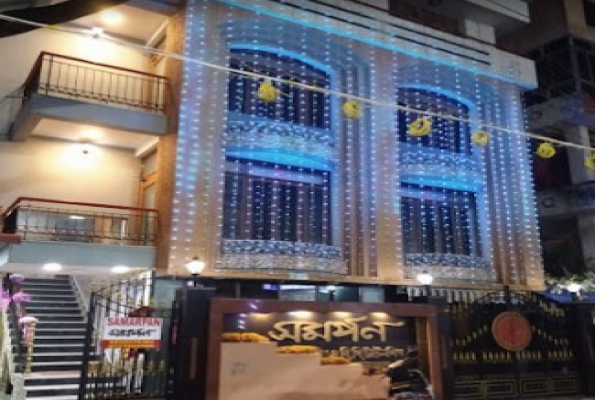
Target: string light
480, 138
293, 151
590, 162
420, 127
330, 92
352, 109
546, 150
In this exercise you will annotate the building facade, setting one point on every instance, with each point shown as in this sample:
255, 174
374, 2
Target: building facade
290, 187
301, 188
343, 146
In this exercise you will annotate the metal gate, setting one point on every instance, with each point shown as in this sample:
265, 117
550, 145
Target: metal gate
124, 372
510, 345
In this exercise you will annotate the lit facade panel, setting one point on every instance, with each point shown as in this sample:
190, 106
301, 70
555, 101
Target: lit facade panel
275, 176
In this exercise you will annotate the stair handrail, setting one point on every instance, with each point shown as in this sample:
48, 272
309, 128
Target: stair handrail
6, 349
79, 293
15, 312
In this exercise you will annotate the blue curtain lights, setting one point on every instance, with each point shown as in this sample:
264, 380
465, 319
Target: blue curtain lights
275, 172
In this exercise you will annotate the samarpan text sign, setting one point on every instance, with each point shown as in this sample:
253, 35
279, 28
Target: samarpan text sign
132, 333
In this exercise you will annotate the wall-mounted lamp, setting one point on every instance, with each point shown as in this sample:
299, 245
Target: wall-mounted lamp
195, 266
331, 289
575, 290
425, 279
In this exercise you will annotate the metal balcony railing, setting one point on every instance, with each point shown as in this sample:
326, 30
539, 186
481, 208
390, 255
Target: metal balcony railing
73, 78
63, 221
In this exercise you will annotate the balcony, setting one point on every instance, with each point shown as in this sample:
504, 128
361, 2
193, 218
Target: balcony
78, 91
567, 201
73, 233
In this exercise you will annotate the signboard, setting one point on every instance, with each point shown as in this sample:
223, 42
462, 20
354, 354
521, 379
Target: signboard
375, 339
277, 350
131, 332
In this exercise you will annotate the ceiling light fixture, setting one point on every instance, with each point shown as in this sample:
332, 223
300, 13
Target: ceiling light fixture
120, 269
111, 17
52, 267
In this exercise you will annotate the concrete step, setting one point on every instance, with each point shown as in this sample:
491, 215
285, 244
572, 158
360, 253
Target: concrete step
54, 357
52, 390
39, 366
50, 291
70, 397
58, 340
34, 303
66, 325
46, 283
43, 279
45, 331
47, 317
56, 348
52, 378
36, 309
68, 298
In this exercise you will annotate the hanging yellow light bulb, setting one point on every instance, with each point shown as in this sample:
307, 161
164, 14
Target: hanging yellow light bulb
420, 127
480, 138
267, 92
590, 161
352, 109
546, 150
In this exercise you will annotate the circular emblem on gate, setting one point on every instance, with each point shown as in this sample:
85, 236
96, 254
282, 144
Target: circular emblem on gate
511, 331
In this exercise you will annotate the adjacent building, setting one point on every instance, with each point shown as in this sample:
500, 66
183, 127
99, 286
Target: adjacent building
560, 41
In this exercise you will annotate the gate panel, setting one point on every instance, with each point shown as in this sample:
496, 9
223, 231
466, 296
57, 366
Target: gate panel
511, 345
119, 369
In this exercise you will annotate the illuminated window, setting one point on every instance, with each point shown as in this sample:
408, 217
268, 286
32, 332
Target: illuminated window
265, 201
436, 220
447, 134
296, 105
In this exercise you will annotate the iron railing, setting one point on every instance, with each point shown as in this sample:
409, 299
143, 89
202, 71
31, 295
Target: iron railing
124, 372
73, 78
56, 220
23, 338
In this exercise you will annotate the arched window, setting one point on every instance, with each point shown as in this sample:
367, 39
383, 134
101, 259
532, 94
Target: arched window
266, 201
439, 221
296, 105
447, 134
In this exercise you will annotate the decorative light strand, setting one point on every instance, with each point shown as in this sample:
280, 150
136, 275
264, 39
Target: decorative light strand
346, 96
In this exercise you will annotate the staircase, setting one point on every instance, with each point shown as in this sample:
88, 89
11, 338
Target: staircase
59, 339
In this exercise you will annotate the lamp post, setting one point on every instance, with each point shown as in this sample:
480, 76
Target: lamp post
195, 267
331, 292
425, 279
574, 289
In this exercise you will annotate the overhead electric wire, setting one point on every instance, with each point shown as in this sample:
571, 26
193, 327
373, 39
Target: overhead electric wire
360, 99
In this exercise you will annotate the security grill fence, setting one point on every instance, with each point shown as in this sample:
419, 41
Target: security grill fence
122, 371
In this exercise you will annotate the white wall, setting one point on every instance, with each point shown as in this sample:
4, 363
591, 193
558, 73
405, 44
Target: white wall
59, 170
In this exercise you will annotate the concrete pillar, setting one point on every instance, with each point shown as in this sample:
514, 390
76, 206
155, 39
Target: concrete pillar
576, 157
190, 345
579, 174
389, 258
